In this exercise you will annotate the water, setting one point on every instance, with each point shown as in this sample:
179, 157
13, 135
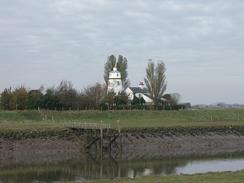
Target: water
89, 167
203, 166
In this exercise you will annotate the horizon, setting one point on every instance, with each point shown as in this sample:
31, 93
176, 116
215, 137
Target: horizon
201, 44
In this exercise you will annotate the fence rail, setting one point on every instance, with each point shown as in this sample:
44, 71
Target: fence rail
80, 125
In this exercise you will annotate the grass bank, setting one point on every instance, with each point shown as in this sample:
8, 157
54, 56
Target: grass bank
225, 177
41, 123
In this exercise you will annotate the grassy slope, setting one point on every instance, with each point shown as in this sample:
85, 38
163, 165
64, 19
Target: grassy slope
226, 177
53, 121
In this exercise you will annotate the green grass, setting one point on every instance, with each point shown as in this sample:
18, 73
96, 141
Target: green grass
225, 177
16, 121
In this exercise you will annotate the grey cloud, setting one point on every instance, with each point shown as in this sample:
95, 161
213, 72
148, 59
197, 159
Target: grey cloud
201, 42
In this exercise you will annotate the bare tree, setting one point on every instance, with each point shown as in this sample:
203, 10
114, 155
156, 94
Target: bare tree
66, 95
155, 80
95, 94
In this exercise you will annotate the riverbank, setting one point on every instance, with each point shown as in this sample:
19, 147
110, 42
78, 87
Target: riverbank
150, 133
36, 137
225, 177
135, 143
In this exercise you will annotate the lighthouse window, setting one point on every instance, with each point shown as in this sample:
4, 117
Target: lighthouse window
117, 82
117, 75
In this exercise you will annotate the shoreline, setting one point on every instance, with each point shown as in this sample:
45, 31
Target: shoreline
221, 177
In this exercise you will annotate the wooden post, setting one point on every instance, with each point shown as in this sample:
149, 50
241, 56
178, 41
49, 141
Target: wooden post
119, 171
109, 144
211, 117
120, 140
101, 135
101, 150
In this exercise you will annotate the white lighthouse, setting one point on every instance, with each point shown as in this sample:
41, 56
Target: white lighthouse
115, 82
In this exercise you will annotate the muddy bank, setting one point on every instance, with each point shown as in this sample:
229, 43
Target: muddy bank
182, 141
136, 144
160, 145
40, 150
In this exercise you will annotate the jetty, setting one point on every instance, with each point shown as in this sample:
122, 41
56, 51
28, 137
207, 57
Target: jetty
99, 135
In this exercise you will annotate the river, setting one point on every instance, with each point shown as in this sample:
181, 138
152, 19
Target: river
89, 167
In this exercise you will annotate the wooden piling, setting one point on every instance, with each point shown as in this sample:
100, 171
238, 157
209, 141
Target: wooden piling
97, 134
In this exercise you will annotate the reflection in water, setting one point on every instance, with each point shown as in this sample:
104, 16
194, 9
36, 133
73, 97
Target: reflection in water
199, 166
108, 168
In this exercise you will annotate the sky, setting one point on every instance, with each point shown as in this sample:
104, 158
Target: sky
201, 43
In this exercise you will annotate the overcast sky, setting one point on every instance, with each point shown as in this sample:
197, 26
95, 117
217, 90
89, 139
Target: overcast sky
201, 43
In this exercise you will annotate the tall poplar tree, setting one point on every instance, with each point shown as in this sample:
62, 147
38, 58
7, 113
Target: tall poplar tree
155, 80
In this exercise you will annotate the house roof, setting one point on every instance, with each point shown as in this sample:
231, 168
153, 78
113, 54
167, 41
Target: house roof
144, 91
138, 90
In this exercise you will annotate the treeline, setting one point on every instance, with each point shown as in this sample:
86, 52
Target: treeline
62, 97
66, 97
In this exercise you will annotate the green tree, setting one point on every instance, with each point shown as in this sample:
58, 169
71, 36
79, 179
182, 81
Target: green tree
66, 95
156, 81
50, 100
135, 101
21, 98
109, 99
34, 99
121, 99
7, 99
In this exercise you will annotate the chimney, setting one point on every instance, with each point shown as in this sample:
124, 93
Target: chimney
141, 85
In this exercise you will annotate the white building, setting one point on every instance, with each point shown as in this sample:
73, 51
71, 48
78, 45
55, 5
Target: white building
115, 82
139, 92
115, 85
